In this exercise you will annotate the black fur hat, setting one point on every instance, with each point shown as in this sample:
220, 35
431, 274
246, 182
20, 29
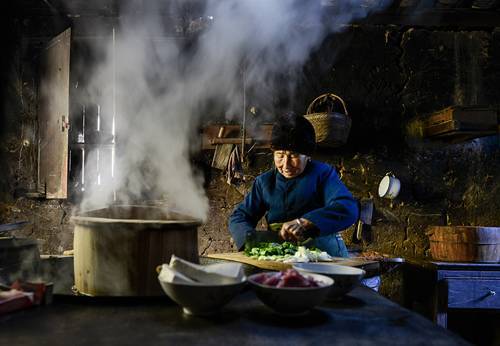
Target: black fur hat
295, 133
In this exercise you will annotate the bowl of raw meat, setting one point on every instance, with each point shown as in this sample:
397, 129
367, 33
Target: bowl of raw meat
290, 292
345, 278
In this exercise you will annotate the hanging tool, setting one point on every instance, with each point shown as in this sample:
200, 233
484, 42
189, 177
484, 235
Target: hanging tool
243, 129
363, 229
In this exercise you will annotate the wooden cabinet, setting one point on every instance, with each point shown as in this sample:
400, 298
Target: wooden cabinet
435, 288
472, 293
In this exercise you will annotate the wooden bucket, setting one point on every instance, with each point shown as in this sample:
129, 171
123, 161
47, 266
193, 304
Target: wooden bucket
332, 128
117, 249
465, 243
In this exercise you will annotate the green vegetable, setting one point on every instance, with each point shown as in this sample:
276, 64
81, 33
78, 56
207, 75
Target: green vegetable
271, 249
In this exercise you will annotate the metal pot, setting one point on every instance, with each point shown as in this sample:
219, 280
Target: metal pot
389, 186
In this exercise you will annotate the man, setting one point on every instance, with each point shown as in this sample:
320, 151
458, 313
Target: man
305, 195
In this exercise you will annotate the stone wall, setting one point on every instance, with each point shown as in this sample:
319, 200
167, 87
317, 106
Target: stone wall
387, 76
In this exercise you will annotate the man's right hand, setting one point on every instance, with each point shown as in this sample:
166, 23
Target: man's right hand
292, 231
297, 230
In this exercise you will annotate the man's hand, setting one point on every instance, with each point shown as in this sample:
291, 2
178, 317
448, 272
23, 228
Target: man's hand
295, 230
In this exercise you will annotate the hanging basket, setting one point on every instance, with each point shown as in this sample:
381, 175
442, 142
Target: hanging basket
332, 128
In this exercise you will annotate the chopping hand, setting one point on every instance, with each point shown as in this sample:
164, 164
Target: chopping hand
298, 230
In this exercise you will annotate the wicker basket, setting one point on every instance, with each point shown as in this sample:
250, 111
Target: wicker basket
332, 128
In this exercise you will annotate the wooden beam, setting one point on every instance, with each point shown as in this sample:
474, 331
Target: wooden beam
260, 136
394, 15
474, 18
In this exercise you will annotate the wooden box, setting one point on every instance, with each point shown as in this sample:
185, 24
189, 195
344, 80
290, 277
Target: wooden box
462, 122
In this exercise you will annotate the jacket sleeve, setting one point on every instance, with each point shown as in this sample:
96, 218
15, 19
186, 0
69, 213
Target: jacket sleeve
340, 208
246, 215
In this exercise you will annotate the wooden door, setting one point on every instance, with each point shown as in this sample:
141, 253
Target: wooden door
53, 117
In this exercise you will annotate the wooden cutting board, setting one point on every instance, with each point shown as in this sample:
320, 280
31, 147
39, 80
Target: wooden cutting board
275, 265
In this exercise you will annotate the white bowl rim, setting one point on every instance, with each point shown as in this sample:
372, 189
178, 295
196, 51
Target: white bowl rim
319, 268
244, 280
327, 281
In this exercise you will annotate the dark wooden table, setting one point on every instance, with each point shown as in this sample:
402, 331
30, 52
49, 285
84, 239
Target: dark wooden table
451, 285
361, 318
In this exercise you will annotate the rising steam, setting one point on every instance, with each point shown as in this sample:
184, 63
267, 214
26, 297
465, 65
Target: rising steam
162, 84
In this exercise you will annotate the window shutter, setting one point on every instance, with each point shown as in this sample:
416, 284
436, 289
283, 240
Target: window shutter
53, 117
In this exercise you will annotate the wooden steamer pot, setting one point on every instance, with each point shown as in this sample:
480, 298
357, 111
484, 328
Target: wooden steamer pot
117, 249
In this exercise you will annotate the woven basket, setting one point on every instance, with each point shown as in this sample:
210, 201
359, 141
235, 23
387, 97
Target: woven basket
332, 128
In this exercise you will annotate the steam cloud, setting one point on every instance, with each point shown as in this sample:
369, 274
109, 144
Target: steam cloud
163, 85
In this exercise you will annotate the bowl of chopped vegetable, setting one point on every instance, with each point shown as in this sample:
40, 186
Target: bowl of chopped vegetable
289, 292
346, 278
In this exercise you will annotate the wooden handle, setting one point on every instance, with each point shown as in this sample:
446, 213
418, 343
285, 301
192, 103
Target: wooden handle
221, 132
231, 141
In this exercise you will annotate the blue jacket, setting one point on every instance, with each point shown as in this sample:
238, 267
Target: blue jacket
317, 195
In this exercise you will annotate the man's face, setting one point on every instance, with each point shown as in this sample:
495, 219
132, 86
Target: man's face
289, 163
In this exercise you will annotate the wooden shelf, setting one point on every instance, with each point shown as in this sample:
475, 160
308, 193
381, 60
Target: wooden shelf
461, 123
231, 134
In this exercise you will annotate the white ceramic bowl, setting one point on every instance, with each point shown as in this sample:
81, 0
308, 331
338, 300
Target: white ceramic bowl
292, 300
201, 299
345, 278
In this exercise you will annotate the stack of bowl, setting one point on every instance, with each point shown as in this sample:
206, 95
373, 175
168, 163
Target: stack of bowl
345, 278
201, 290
